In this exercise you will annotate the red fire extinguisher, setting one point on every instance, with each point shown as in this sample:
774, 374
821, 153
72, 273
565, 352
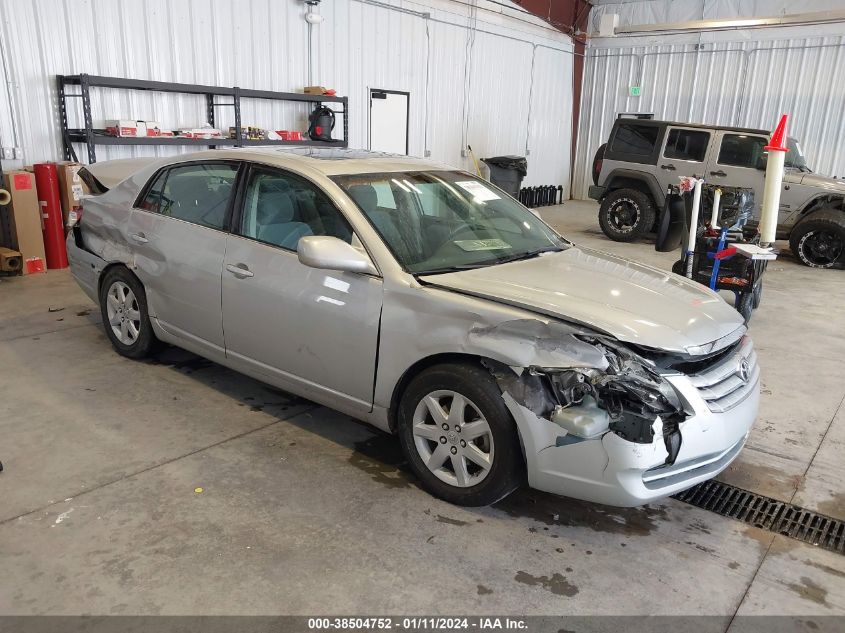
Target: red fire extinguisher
47, 186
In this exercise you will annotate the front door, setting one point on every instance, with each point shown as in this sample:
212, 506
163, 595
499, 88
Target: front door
178, 237
313, 331
738, 161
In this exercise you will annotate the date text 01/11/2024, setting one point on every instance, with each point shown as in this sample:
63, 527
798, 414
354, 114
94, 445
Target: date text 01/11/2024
416, 623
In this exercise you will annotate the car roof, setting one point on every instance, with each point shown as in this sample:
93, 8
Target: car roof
329, 161
693, 125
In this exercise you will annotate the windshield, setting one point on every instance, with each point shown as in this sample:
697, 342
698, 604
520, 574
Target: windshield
795, 156
440, 221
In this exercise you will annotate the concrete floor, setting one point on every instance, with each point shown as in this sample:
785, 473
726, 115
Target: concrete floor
302, 511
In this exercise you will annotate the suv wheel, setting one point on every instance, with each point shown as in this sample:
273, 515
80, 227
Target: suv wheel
819, 240
458, 435
625, 214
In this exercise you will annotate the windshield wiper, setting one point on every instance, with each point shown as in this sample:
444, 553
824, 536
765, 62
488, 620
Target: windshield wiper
491, 262
528, 255
452, 269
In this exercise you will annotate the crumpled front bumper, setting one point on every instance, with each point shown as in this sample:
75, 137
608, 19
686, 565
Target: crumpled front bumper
614, 471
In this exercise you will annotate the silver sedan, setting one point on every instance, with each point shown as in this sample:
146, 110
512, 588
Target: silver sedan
429, 303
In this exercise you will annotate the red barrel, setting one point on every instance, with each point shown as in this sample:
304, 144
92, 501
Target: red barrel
52, 225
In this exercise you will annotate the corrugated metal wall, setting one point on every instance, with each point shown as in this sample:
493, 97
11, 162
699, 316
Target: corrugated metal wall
746, 84
515, 95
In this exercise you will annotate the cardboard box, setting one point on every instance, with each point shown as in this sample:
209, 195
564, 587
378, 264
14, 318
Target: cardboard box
315, 90
22, 218
71, 187
10, 261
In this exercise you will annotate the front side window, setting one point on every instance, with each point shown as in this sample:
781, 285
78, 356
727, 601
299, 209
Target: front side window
197, 193
635, 138
280, 208
447, 220
687, 145
742, 150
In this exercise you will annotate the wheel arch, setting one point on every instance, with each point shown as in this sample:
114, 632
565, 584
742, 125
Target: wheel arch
821, 202
111, 266
416, 369
632, 179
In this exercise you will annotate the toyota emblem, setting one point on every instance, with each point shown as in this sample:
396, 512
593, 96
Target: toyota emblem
744, 370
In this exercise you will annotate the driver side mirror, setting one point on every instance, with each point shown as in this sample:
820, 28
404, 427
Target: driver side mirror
761, 162
331, 253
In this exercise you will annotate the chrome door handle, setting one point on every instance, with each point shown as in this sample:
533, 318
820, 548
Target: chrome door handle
139, 237
670, 167
718, 173
240, 270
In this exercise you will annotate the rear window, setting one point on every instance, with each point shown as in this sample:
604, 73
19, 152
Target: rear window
635, 138
687, 145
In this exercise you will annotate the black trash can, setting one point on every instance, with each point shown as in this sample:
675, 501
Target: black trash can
507, 172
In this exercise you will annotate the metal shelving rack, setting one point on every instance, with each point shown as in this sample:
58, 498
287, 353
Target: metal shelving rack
91, 137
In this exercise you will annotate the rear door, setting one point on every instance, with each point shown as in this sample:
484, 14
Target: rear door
684, 153
178, 236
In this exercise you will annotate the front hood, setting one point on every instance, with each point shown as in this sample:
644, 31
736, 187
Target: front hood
823, 182
630, 301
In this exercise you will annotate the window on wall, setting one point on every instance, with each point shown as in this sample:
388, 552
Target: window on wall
634, 138
742, 150
687, 145
280, 208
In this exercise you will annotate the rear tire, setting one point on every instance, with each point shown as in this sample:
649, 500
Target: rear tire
123, 305
757, 295
626, 214
476, 459
745, 305
818, 241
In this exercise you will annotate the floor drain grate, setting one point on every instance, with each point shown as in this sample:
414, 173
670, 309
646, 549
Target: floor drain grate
768, 514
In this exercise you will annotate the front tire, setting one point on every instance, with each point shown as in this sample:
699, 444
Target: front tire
819, 240
123, 305
626, 214
458, 435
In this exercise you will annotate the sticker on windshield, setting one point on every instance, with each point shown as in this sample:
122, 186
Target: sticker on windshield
477, 190
482, 245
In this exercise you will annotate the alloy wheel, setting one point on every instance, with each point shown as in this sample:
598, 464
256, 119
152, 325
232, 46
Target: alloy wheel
821, 248
123, 313
624, 215
453, 438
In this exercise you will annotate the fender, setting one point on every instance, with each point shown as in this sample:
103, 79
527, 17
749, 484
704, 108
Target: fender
827, 200
618, 177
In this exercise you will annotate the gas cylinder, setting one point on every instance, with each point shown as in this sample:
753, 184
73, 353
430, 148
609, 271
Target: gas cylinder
50, 206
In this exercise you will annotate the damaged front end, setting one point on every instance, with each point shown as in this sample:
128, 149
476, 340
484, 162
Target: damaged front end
627, 397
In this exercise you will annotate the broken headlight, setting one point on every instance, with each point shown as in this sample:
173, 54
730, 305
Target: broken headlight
626, 397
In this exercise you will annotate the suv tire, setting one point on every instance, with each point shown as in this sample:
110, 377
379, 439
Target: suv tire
481, 401
819, 239
625, 214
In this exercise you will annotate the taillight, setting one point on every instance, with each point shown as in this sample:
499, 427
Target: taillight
597, 169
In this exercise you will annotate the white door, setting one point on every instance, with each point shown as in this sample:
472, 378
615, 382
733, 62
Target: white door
389, 121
